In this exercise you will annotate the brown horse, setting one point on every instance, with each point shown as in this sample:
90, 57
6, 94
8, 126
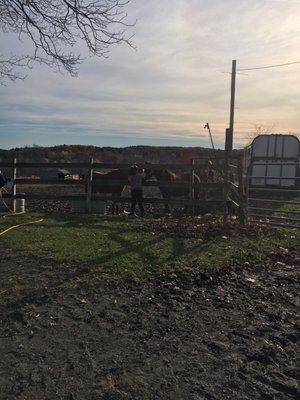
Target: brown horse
168, 192
100, 184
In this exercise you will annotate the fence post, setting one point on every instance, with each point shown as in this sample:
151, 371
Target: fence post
242, 205
14, 187
192, 184
89, 187
228, 148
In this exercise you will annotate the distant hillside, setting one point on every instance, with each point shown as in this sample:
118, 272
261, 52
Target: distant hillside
78, 153
130, 154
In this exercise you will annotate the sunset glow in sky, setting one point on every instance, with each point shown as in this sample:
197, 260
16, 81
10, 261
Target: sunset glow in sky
177, 80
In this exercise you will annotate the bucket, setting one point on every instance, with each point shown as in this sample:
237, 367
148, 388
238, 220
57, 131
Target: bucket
20, 205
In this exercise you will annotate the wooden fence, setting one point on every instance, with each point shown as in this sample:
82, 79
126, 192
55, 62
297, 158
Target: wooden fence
224, 187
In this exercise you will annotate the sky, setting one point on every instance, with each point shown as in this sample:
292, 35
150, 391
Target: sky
176, 80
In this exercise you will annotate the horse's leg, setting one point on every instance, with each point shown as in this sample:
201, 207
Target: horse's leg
113, 208
119, 194
116, 208
115, 192
167, 208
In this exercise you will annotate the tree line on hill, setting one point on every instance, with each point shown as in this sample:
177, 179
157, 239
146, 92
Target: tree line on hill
81, 153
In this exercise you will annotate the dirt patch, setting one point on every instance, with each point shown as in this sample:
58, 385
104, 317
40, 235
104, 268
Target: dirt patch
208, 228
177, 337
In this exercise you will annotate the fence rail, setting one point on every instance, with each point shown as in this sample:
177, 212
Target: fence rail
208, 185
96, 197
276, 164
274, 201
259, 158
274, 177
282, 190
96, 165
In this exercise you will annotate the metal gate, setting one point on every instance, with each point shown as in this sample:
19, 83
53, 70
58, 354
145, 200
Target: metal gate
274, 200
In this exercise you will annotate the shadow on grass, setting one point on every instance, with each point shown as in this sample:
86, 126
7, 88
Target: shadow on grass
44, 280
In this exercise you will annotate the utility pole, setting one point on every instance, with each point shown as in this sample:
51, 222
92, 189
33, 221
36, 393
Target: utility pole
229, 139
229, 136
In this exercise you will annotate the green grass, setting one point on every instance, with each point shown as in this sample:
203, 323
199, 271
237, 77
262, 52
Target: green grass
127, 248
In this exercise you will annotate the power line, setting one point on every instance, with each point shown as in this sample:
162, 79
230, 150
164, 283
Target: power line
269, 66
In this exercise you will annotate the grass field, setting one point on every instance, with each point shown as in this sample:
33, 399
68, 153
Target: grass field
128, 248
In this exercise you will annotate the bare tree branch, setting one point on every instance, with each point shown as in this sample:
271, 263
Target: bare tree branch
55, 26
259, 129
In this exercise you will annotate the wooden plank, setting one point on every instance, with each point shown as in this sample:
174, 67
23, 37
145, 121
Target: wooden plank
51, 165
98, 165
50, 182
152, 200
283, 191
274, 201
204, 185
34, 196
14, 188
82, 197
271, 164
148, 166
259, 158
89, 188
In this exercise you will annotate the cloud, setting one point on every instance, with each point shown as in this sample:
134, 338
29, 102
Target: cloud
176, 81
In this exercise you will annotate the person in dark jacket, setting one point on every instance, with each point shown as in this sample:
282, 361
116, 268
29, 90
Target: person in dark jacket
210, 172
136, 176
2, 180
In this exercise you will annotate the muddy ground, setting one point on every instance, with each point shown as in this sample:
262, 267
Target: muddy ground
179, 337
